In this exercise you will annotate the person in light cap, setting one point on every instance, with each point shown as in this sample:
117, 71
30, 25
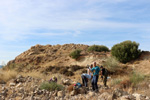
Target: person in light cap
53, 79
87, 76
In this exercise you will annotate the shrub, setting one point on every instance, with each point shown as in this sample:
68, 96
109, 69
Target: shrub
75, 54
75, 68
111, 64
66, 72
135, 78
98, 48
50, 68
69, 73
63, 70
52, 86
125, 51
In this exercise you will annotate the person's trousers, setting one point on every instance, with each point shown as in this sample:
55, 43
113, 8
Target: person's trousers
94, 82
105, 80
84, 80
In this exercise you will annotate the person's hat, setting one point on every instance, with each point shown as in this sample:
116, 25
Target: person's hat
53, 78
101, 67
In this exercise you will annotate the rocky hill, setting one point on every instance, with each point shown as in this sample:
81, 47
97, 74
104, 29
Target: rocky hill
131, 81
57, 55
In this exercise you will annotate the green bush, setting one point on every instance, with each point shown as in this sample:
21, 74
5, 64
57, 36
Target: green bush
126, 51
111, 64
52, 86
75, 54
98, 48
136, 78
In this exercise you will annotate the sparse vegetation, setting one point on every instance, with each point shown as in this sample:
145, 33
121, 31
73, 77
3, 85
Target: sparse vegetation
52, 86
116, 81
111, 64
66, 72
98, 48
126, 51
63, 70
75, 54
136, 78
7, 75
69, 73
75, 68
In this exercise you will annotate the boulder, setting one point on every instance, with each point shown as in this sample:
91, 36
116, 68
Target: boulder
73, 93
118, 93
66, 82
12, 84
139, 96
60, 93
105, 96
91, 94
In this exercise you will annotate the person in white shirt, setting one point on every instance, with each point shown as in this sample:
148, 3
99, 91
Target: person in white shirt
86, 76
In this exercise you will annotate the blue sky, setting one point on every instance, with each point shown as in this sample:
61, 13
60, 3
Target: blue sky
25, 23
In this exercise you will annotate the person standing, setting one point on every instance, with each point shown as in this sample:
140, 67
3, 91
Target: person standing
104, 74
95, 71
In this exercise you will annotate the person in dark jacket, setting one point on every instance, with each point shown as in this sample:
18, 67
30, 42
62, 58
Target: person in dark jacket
104, 75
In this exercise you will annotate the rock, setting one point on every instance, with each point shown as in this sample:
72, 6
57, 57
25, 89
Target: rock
12, 84
91, 94
2, 82
4, 92
147, 98
19, 79
105, 96
127, 97
55, 93
73, 93
139, 96
118, 93
66, 82
3, 88
19, 85
60, 93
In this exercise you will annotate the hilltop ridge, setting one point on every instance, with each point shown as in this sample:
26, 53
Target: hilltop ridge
57, 55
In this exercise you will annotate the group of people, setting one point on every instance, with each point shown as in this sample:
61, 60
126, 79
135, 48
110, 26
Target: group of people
92, 75
93, 72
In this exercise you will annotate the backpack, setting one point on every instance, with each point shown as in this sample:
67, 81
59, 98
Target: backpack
78, 85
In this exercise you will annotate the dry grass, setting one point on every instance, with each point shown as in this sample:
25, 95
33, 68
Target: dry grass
43, 76
7, 75
111, 64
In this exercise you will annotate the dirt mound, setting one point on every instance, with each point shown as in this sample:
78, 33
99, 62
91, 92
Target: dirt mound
57, 55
